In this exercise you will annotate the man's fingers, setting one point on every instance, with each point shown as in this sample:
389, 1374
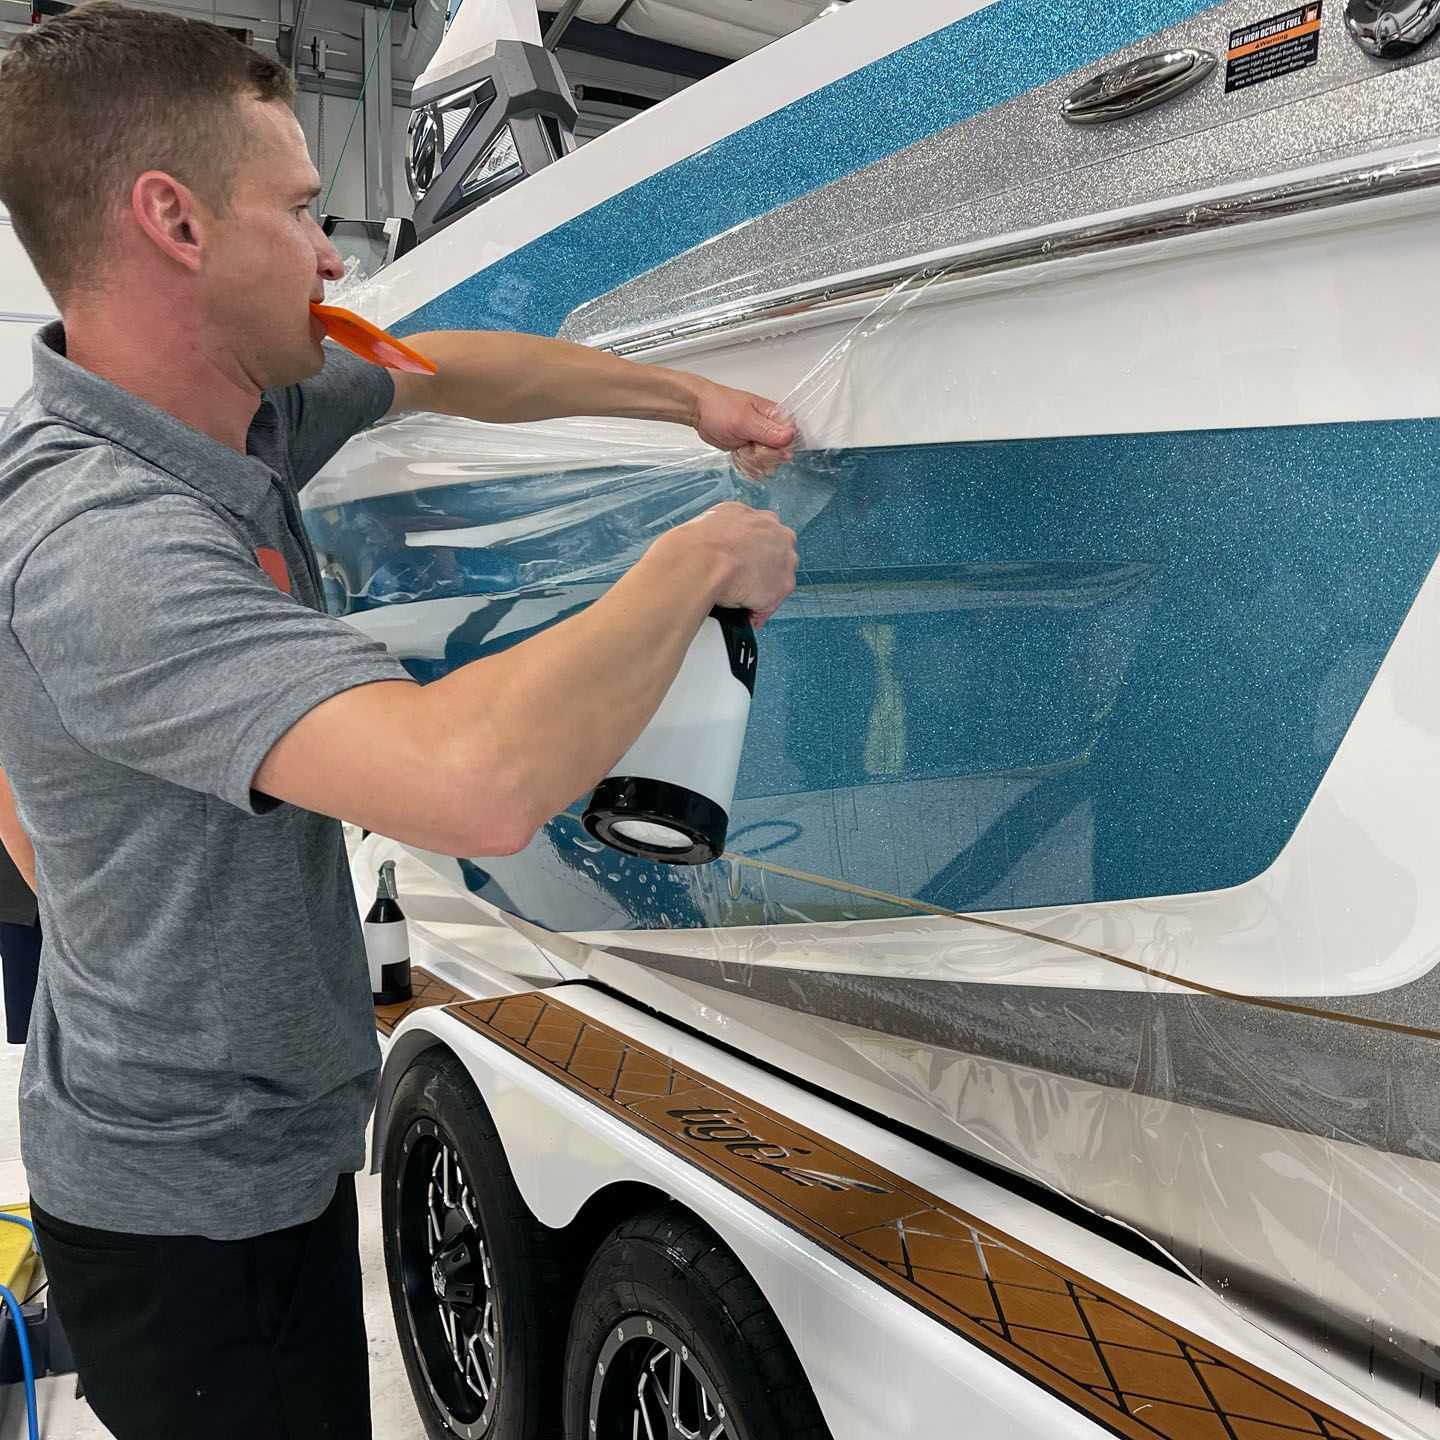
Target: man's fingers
776, 429
757, 462
748, 462
763, 549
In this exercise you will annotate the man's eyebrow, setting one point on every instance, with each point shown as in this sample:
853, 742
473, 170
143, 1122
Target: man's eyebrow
307, 194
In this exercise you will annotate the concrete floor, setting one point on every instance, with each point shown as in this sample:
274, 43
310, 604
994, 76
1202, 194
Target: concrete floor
62, 1417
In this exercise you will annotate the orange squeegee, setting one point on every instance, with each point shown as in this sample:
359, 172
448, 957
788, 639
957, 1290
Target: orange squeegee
369, 341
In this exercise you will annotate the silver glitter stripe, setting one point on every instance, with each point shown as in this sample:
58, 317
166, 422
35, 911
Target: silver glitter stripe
1184, 218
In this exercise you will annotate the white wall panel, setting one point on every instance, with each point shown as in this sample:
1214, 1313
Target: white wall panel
14, 361
24, 303
20, 289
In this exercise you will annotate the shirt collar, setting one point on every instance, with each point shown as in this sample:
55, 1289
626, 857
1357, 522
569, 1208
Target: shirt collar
93, 404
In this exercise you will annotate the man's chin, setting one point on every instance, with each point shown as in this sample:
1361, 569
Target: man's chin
301, 363
291, 367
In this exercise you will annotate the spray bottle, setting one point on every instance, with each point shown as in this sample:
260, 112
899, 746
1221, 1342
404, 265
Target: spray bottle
668, 800
387, 943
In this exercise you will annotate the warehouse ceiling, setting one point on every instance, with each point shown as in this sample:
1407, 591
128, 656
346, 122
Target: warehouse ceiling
702, 34
620, 56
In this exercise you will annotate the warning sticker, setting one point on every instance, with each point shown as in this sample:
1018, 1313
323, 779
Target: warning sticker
1271, 48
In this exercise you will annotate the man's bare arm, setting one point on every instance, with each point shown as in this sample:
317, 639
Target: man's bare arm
475, 763
12, 835
502, 377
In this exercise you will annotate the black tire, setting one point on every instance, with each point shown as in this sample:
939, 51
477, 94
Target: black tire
506, 1258
662, 1290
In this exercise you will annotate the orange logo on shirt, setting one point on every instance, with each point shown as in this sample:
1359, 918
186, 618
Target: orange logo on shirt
272, 562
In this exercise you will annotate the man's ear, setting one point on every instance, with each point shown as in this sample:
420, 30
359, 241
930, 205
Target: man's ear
168, 213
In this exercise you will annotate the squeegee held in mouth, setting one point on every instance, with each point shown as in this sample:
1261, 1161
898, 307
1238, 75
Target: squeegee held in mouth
369, 341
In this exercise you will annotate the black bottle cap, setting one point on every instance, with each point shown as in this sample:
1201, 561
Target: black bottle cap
656, 820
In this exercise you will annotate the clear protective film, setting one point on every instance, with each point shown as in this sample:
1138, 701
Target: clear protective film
1083, 814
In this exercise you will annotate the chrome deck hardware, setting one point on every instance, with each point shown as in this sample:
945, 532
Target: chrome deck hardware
1387, 28
1143, 83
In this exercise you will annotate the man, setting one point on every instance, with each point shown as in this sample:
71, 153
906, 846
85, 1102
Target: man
177, 720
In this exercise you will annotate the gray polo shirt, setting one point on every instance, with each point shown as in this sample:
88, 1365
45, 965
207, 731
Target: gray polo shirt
202, 1055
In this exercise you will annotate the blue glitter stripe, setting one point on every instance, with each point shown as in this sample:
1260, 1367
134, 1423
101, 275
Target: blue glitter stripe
931, 84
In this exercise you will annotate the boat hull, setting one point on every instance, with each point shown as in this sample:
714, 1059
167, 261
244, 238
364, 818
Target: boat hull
1084, 817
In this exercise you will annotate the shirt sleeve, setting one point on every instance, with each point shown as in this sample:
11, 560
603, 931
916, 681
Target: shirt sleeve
322, 413
166, 649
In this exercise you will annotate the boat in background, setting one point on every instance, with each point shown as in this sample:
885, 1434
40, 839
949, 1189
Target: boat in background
1084, 817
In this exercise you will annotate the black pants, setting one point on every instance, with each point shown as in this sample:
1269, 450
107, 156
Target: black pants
182, 1338
20, 968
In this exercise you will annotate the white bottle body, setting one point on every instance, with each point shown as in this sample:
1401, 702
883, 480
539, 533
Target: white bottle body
386, 943
695, 737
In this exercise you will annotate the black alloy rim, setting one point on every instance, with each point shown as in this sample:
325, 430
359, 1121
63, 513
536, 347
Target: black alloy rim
447, 1272
649, 1385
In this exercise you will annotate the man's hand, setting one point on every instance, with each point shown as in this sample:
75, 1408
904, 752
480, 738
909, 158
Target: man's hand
751, 555
759, 438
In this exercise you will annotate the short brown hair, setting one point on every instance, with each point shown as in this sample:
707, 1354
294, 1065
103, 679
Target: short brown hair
93, 98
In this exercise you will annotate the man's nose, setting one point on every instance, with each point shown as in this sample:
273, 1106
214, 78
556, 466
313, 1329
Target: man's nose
328, 264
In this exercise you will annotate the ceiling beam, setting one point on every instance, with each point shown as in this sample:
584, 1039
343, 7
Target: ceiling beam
561, 23
612, 44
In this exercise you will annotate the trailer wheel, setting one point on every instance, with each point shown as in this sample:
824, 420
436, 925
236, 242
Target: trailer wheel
476, 1283
671, 1338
